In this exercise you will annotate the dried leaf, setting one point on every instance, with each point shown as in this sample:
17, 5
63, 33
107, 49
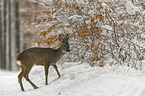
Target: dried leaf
82, 57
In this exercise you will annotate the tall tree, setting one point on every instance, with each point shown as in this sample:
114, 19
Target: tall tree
0, 37
3, 33
17, 25
13, 35
8, 36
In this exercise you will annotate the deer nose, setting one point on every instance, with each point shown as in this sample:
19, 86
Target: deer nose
68, 50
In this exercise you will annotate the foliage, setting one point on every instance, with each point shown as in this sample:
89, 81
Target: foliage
105, 30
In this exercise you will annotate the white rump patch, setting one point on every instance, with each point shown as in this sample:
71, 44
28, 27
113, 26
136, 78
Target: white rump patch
18, 62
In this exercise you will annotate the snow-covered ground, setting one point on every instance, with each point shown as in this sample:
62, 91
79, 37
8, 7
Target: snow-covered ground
77, 80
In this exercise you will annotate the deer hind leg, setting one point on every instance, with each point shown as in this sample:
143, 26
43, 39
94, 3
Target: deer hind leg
20, 76
27, 78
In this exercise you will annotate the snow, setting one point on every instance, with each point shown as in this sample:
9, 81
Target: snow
107, 27
131, 8
77, 80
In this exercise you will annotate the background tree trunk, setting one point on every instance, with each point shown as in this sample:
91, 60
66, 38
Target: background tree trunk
0, 37
3, 25
13, 35
9, 34
17, 25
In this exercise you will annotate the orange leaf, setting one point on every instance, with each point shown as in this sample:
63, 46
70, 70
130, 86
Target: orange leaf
92, 20
73, 6
66, 5
91, 47
92, 64
82, 57
39, 21
56, 4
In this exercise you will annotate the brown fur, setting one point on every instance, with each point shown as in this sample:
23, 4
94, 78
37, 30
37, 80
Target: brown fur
41, 56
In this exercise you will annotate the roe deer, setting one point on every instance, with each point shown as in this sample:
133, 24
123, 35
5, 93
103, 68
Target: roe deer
41, 56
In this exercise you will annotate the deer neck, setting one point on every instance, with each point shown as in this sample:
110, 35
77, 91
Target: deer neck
60, 52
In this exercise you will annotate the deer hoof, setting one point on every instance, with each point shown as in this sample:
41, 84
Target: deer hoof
36, 87
23, 90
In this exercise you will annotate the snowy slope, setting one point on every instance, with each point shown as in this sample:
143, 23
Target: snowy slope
77, 80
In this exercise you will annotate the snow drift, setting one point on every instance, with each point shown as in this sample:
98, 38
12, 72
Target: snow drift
77, 80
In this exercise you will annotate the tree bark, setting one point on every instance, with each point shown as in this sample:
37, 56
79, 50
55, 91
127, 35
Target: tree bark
17, 26
13, 35
0, 37
8, 37
3, 18
9, 34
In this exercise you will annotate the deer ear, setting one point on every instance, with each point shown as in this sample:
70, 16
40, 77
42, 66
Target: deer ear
60, 37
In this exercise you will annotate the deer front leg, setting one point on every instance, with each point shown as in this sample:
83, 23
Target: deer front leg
46, 73
55, 67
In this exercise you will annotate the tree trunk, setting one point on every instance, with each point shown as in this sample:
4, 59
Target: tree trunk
13, 36
8, 37
3, 18
17, 26
9, 34
0, 37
